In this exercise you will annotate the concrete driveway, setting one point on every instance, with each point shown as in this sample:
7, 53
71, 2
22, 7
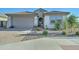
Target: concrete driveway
42, 44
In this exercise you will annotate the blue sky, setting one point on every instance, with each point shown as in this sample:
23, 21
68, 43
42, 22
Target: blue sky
74, 11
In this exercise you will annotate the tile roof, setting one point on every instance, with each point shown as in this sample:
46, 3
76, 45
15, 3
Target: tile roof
39, 10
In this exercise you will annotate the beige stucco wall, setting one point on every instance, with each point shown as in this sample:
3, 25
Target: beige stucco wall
28, 20
23, 21
47, 20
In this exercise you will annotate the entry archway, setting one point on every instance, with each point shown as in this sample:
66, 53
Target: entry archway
41, 22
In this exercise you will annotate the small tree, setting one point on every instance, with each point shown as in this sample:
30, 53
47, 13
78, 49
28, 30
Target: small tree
65, 27
72, 22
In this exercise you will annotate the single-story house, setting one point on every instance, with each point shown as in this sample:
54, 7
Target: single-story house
38, 18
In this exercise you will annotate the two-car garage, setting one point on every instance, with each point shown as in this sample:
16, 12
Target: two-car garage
21, 21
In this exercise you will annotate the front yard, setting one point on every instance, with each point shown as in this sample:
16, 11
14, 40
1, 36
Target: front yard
19, 40
7, 37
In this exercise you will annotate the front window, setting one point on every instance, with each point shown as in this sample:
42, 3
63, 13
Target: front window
55, 18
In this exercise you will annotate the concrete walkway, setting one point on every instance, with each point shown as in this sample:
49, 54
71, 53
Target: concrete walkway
42, 44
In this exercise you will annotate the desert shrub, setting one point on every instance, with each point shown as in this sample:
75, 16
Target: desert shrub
64, 33
38, 29
45, 33
77, 33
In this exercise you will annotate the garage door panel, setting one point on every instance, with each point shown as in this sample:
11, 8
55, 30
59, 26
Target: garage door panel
23, 21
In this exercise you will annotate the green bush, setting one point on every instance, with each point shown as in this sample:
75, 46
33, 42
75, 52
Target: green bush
64, 33
57, 25
77, 33
38, 29
45, 33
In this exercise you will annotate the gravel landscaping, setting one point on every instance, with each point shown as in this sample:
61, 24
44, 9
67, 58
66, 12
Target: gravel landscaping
7, 37
51, 34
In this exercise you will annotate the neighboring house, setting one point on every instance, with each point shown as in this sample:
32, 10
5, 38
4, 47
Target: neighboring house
3, 20
38, 18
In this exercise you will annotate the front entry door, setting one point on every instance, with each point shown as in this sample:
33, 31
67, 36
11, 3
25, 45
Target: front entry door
41, 22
